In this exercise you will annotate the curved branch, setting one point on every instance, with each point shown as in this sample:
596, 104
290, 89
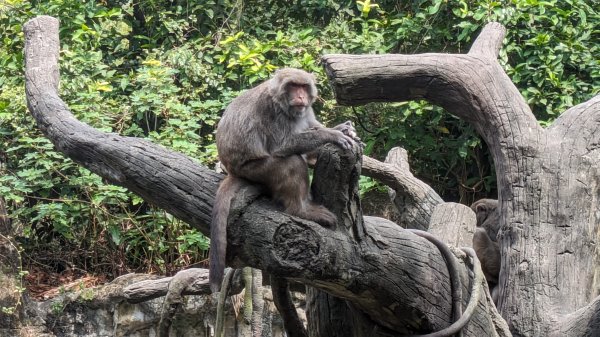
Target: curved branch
471, 87
160, 176
489, 41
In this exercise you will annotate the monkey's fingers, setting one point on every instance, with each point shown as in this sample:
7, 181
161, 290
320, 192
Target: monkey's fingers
350, 133
341, 139
346, 142
357, 140
348, 129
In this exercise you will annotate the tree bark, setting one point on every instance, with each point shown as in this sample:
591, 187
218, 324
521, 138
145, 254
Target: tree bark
547, 178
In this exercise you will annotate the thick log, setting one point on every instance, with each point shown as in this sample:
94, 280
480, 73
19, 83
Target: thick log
547, 179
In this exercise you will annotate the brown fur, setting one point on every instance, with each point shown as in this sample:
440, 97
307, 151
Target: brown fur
485, 241
490, 252
263, 138
488, 216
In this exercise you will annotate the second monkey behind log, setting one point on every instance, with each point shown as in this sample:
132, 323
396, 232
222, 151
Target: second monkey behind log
485, 241
263, 138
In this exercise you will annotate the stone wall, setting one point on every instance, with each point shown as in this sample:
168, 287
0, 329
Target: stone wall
104, 312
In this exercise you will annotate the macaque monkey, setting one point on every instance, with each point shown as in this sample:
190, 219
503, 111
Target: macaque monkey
485, 241
264, 138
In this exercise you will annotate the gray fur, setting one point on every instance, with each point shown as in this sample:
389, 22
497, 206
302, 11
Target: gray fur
263, 138
485, 241
488, 216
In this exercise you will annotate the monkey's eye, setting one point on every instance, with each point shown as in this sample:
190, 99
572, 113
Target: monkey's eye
295, 85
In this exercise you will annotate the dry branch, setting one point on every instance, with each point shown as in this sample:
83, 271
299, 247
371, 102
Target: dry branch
162, 177
414, 199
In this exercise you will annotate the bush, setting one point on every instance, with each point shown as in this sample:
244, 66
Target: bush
165, 70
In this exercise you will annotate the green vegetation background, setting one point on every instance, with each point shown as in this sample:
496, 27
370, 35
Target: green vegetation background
164, 70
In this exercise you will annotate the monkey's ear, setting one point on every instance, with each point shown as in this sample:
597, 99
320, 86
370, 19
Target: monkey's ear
481, 208
274, 83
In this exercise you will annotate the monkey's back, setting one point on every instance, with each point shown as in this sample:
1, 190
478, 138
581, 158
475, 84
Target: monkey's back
248, 128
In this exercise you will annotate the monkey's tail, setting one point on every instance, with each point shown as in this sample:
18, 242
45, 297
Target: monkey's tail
218, 230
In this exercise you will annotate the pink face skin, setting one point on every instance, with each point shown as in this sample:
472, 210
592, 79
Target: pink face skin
298, 98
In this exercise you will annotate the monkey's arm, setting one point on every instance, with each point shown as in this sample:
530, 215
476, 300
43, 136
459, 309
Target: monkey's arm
488, 253
309, 140
346, 128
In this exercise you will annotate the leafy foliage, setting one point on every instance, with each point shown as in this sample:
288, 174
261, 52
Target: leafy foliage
165, 70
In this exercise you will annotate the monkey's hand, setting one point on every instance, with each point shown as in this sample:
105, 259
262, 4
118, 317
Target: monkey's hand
348, 129
310, 140
340, 138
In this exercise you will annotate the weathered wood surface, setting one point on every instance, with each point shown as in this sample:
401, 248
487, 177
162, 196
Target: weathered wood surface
414, 199
453, 216
548, 179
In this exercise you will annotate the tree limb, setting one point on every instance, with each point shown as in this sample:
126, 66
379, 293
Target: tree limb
583, 118
488, 43
137, 164
414, 199
398, 280
472, 87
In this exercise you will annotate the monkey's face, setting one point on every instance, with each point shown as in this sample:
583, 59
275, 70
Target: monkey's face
298, 99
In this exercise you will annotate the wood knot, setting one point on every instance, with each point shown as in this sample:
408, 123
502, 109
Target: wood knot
296, 243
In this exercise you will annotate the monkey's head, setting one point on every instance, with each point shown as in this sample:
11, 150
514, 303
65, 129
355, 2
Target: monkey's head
293, 90
488, 216
483, 208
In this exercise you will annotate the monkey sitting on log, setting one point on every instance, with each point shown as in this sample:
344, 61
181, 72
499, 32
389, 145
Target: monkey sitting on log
263, 138
485, 241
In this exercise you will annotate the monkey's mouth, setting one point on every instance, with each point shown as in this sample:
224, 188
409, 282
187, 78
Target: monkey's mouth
298, 108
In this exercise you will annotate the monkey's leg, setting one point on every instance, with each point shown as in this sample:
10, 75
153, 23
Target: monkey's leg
287, 181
